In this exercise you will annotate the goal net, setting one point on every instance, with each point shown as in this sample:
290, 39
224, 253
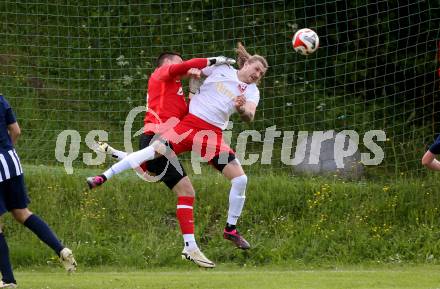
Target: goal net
82, 66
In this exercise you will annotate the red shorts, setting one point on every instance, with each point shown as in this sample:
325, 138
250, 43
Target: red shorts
195, 134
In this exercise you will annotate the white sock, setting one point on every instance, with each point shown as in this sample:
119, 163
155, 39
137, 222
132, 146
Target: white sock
190, 241
131, 161
119, 154
236, 198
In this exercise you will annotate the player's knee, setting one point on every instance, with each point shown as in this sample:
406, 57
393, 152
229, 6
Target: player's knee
159, 147
425, 161
185, 193
240, 182
184, 188
21, 215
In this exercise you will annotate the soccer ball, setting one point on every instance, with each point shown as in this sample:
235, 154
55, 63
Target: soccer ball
305, 41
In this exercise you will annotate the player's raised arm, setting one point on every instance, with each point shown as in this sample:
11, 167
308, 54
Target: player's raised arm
181, 69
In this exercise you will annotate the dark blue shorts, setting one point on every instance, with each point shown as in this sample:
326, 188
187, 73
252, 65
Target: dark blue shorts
13, 194
435, 147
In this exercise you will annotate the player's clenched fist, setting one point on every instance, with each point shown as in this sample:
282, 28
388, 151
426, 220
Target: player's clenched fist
239, 102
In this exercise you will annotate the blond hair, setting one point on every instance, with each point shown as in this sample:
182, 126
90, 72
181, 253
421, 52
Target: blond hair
243, 56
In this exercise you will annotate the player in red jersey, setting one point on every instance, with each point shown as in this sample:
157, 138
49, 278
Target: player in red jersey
166, 103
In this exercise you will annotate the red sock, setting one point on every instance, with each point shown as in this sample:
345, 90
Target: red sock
184, 214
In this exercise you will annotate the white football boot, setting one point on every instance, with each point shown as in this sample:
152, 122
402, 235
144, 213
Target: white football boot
104, 147
7, 285
66, 258
197, 257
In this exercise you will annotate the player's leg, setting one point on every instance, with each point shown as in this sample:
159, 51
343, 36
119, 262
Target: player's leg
131, 161
5, 263
179, 183
224, 160
8, 280
42, 230
233, 171
184, 212
231, 168
104, 147
181, 132
17, 205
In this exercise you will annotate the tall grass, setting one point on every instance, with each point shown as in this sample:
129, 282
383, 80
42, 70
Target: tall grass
288, 220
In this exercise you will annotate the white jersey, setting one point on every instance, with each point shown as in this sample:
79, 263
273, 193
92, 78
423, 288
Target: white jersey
214, 103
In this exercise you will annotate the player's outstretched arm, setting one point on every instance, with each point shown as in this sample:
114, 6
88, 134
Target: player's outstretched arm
220, 60
181, 69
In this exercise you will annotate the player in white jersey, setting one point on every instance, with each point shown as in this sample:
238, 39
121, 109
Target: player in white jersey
224, 92
214, 102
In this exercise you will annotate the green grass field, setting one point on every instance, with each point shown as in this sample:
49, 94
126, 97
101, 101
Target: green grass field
305, 233
288, 221
401, 277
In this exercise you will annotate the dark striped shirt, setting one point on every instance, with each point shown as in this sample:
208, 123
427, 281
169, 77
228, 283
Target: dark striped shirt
10, 165
9, 162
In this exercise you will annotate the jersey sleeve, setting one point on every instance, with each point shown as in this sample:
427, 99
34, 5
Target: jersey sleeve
224, 68
207, 71
182, 68
253, 95
170, 72
9, 113
435, 147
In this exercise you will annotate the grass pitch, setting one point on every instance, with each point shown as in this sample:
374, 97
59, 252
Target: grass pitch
419, 277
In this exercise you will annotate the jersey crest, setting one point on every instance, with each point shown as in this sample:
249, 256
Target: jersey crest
242, 87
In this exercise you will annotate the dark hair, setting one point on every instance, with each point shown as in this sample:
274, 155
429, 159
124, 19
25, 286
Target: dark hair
166, 55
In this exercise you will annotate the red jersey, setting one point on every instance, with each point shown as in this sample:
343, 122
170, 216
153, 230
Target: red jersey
165, 96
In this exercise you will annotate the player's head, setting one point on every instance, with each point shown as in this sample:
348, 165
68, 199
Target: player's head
252, 67
169, 58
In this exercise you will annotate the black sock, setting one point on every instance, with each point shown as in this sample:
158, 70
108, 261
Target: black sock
43, 231
104, 177
230, 227
5, 263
